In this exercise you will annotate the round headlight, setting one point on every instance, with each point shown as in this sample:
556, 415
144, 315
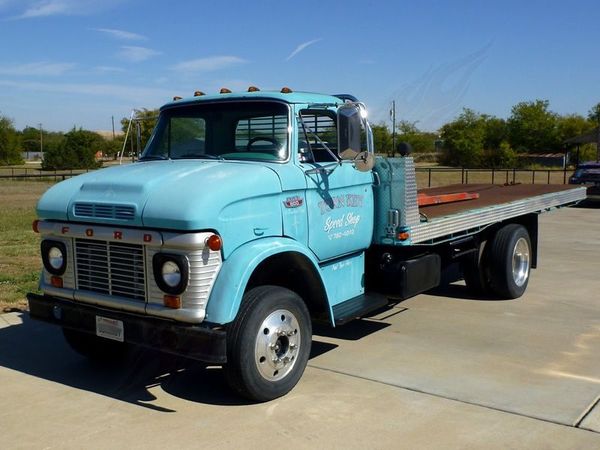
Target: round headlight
171, 273
56, 258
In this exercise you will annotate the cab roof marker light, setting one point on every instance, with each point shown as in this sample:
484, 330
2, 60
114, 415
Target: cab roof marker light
286, 90
225, 91
253, 89
176, 98
198, 94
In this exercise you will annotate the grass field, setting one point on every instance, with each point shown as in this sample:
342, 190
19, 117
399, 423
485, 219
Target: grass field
19, 246
442, 177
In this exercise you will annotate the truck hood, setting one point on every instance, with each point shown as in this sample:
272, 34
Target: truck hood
182, 195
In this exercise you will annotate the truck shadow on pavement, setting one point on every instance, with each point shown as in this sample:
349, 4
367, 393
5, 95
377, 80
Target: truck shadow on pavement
39, 350
461, 292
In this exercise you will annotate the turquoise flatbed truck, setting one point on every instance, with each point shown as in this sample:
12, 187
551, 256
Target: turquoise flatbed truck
251, 215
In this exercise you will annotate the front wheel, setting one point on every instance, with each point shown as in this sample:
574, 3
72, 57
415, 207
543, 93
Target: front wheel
510, 261
268, 343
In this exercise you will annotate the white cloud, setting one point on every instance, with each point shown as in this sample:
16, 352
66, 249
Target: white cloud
131, 94
122, 34
36, 69
302, 47
137, 54
208, 64
45, 8
108, 69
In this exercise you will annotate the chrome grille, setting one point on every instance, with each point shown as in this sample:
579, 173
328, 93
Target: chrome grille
104, 211
111, 268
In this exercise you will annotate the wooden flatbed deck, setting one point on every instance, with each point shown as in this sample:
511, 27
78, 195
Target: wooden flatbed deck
489, 195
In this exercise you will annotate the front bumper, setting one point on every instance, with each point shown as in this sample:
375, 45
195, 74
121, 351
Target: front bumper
191, 341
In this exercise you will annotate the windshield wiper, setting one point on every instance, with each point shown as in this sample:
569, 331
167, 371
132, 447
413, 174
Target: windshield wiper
199, 156
153, 158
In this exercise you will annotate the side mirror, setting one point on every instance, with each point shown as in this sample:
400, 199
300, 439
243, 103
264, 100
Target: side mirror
349, 124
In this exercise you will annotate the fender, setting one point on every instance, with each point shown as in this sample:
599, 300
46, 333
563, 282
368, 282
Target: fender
228, 290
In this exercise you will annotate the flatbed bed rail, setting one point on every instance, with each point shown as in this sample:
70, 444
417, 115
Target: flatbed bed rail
443, 222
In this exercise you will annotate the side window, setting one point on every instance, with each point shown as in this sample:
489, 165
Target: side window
186, 136
322, 125
263, 135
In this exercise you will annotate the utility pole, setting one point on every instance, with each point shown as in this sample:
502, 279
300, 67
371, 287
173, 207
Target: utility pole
393, 117
113, 126
41, 141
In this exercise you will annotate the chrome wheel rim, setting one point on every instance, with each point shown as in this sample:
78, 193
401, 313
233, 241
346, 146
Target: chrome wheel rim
520, 262
277, 343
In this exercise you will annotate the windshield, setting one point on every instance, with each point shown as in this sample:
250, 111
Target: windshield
228, 130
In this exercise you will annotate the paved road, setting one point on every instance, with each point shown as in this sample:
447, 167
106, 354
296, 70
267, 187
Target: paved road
438, 371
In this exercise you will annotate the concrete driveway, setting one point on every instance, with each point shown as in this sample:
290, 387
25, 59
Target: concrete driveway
437, 371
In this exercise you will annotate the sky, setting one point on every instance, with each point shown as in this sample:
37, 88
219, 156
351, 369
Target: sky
66, 63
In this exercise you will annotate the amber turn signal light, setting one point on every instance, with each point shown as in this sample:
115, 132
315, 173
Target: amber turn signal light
404, 236
57, 282
214, 243
172, 301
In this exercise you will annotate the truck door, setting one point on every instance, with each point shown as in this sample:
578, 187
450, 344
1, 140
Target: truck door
339, 198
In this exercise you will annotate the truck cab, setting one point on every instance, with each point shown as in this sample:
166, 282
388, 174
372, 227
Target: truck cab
247, 217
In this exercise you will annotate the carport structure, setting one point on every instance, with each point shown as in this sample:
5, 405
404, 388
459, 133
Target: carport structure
591, 137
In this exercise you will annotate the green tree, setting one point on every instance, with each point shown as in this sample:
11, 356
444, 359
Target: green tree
572, 125
496, 132
9, 149
594, 114
30, 139
501, 157
420, 141
382, 139
111, 147
76, 151
464, 139
533, 127
147, 119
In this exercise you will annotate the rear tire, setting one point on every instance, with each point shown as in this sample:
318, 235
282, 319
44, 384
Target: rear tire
268, 344
510, 261
94, 347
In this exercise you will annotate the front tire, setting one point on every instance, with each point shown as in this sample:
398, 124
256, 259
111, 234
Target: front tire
510, 261
268, 344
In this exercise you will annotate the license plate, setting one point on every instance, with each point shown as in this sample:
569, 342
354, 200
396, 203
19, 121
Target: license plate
109, 328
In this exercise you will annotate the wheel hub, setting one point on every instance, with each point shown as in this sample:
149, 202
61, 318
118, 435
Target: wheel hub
277, 343
520, 262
